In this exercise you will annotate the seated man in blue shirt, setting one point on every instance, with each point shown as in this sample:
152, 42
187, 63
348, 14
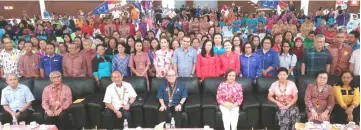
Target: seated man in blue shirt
16, 99
50, 62
171, 95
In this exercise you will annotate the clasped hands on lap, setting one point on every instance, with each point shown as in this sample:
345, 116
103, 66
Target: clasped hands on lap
229, 105
54, 113
177, 108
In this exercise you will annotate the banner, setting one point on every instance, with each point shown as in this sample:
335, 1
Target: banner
354, 2
102, 8
108, 5
269, 4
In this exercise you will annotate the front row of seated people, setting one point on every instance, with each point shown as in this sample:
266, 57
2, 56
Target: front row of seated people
320, 99
17, 98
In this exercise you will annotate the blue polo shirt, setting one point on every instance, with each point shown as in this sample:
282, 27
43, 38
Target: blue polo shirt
51, 63
180, 92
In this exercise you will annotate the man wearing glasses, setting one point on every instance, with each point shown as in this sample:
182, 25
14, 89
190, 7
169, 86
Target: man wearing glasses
171, 95
56, 100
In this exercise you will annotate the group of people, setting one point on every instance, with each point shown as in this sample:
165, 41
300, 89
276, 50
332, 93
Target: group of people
187, 44
17, 99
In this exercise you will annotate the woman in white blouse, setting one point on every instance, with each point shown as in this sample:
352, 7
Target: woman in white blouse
287, 58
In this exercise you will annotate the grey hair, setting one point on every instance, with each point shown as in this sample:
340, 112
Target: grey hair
320, 36
88, 40
11, 74
53, 73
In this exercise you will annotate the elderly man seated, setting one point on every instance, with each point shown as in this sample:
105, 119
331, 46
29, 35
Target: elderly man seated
56, 100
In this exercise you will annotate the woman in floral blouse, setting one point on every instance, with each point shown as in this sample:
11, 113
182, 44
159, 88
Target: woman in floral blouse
319, 98
284, 94
120, 61
229, 98
163, 58
139, 62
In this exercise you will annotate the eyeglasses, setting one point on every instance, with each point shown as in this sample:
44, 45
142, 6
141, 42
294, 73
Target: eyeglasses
55, 77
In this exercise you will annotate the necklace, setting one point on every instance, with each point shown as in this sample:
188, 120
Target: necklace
283, 92
121, 97
318, 96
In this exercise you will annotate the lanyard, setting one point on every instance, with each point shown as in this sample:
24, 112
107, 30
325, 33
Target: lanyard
170, 96
120, 98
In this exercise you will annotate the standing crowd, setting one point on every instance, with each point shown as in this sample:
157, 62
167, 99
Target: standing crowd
187, 42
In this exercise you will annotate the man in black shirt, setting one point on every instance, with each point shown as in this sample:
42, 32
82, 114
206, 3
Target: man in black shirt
193, 11
3, 22
182, 8
234, 8
158, 15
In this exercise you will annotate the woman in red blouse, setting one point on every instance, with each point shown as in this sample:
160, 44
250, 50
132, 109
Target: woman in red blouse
229, 59
117, 24
207, 62
87, 28
131, 27
229, 98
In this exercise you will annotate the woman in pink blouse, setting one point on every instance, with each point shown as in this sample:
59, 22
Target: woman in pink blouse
139, 62
229, 59
319, 98
229, 98
42, 48
163, 58
284, 94
124, 29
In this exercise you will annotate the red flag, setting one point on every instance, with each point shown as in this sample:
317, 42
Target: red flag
282, 4
111, 1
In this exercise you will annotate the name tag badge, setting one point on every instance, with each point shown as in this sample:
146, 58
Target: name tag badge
13, 57
232, 61
56, 60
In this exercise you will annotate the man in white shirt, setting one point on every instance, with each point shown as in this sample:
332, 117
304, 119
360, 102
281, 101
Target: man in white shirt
355, 62
119, 96
171, 13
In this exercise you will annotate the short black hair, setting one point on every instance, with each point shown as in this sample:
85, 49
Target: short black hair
282, 69
244, 47
267, 38
50, 44
5, 37
32, 44
229, 71
321, 72
355, 33
96, 48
